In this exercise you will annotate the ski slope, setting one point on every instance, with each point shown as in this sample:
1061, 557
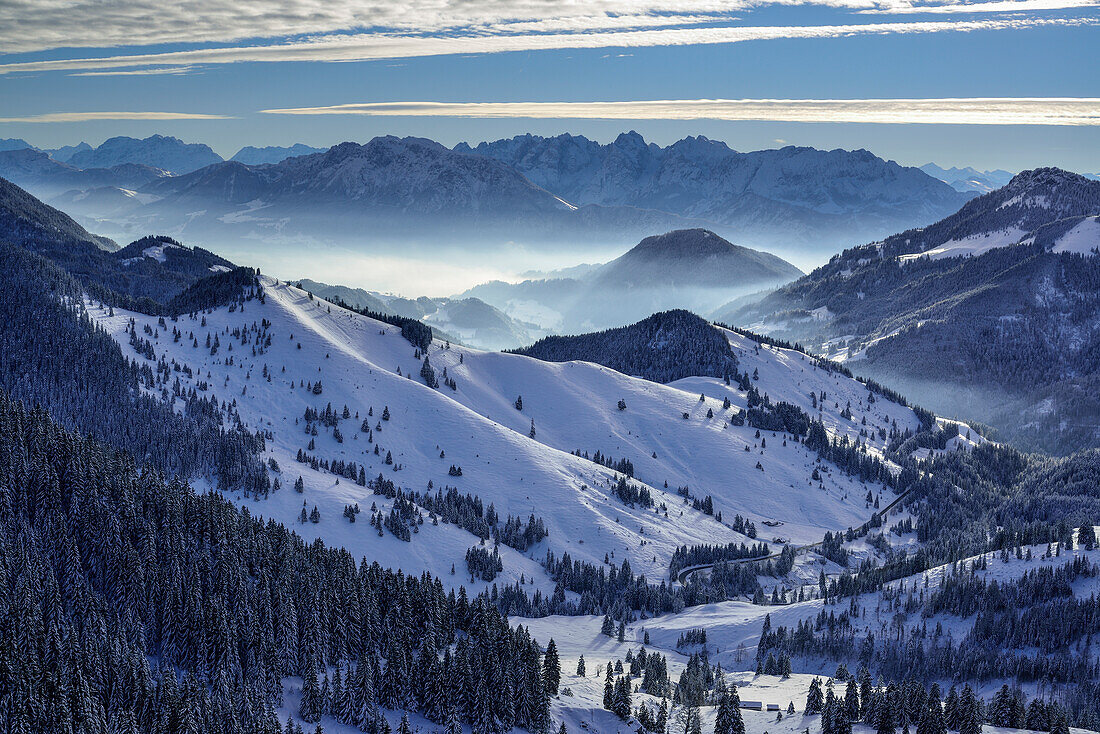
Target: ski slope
368, 366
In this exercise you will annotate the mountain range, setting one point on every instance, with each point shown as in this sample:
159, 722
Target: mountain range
567, 190
992, 312
968, 179
155, 151
804, 197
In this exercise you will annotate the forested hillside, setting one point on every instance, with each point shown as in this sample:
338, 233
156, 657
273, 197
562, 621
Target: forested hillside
664, 347
990, 314
53, 356
122, 613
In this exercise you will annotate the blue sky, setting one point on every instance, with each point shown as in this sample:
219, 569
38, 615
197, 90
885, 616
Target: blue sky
1002, 83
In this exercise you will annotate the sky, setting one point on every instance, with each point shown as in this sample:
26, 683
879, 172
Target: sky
1006, 84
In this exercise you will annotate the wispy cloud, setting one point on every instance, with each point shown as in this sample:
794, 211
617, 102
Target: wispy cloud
158, 71
91, 116
967, 111
370, 46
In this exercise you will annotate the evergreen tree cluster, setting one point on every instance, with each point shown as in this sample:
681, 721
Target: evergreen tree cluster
616, 591
104, 568
1026, 628
623, 466
483, 564
694, 637
685, 557
781, 416
665, 347
632, 494
652, 668
54, 356
468, 512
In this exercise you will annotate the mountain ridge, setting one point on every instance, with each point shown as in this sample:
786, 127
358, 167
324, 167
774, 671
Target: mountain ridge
990, 312
762, 192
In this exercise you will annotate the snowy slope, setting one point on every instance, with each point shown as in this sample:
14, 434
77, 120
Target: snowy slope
1083, 238
366, 364
971, 245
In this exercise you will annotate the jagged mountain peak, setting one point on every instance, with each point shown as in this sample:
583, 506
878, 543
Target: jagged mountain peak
768, 197
158, 151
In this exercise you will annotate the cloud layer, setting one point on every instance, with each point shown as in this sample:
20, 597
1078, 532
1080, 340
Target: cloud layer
36, 25
969, 111
374, 46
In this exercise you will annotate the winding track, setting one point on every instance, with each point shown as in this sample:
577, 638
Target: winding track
686, 573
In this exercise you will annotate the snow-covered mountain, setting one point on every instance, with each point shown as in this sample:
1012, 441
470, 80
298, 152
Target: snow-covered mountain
1030, 201
565, 192
694, 269
421, 432
794, 524
65, 152
253, 156
147, 273
812, 198
395, 188
969, 179
156, 151
411, 175
991, 312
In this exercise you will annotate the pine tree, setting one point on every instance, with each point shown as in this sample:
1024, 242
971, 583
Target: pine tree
851, 701
728, 719
580, 666
621, 703
814, 699
1037, 719
932, 720
951, 709
551, 668
865, 692
608, 691
309, 710
887, 712
970, 719
1059, 724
